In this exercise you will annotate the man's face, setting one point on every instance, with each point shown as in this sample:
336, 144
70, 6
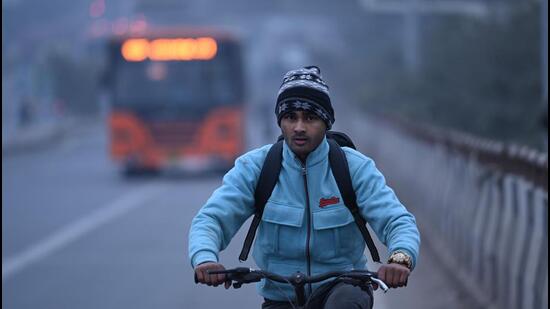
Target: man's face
303, 132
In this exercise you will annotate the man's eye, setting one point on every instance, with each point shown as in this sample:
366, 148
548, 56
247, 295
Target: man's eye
312, 117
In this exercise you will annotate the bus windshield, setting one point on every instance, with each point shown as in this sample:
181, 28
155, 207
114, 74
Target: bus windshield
178, 84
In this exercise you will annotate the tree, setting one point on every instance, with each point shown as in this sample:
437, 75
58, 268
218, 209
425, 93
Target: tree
479, 76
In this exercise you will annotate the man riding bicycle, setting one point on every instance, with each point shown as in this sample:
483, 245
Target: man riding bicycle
305, 225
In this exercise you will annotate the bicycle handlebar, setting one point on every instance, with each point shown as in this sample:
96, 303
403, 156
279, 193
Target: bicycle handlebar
243, 275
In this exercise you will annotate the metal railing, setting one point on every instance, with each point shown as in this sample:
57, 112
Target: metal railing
482, 204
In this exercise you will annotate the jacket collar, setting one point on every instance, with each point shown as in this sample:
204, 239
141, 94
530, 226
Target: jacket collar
316, 156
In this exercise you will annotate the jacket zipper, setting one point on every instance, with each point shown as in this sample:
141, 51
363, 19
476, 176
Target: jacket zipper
308, 212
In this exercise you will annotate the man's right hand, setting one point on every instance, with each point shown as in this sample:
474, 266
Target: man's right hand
215, 280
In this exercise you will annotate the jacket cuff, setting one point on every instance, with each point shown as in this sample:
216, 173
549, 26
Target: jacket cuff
202, 257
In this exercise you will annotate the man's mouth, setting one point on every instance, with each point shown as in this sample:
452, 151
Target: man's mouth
300, 141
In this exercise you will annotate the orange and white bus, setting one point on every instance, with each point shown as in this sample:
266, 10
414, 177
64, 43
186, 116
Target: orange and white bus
176, 101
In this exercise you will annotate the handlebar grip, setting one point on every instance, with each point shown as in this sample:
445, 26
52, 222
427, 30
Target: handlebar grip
218, 272
228, 272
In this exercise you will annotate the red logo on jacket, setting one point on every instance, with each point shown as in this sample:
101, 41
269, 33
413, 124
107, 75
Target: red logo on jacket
324, 202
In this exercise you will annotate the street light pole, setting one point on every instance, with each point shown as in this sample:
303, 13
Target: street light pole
411, 46
544, 50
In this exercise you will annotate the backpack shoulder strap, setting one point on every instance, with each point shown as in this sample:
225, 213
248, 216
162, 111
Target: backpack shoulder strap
341, 138
340, 170
266, 183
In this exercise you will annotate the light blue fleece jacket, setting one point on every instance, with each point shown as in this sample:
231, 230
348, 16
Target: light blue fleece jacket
335, 242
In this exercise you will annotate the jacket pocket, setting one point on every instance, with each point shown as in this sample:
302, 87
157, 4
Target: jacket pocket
281, 230
283, 215
334, 232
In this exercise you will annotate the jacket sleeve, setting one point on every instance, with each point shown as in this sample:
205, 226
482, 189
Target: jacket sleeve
393, 224
226, 210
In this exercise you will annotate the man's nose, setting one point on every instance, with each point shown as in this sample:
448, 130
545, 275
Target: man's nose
300, 126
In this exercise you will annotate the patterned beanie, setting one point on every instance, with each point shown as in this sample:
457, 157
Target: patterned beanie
304, 89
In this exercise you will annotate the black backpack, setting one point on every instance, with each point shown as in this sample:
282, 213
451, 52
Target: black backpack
339, 165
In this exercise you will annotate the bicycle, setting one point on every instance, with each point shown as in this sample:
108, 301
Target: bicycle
243, 275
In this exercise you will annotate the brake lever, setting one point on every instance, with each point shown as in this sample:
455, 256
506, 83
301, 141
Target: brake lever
380, 283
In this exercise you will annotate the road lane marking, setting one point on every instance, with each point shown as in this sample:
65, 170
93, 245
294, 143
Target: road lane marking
76, 230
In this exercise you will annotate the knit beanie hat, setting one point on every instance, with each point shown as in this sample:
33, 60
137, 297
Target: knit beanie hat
304, 89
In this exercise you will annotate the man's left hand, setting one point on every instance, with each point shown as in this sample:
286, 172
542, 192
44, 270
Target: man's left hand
394, 275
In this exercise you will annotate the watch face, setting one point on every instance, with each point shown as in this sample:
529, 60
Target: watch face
400, 258
397, 257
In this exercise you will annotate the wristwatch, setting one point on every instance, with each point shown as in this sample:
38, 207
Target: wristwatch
400, 257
